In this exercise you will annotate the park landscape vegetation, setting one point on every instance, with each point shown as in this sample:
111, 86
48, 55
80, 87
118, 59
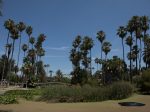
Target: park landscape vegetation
113, 79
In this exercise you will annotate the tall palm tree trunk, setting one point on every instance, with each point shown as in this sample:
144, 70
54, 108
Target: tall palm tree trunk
19, 50
101, 54
6, 50
146, 51
131, 61
28, 43
123, 50
11, 58
90, 62
136, 58
140, 55
130, 65
104, 77
105, 57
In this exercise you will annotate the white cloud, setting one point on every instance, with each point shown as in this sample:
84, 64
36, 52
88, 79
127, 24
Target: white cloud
63, 48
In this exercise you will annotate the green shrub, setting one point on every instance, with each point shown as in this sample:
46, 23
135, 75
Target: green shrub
8, 99
145, 81
87, 93
120, 90
27, 94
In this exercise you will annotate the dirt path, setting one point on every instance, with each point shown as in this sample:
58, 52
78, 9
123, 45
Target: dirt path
106, 106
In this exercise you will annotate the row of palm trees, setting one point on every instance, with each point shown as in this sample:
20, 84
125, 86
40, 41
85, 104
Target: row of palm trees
81, 56
134, 31
134, 34
33, 50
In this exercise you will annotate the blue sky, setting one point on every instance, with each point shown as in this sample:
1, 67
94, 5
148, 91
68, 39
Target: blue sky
62, 20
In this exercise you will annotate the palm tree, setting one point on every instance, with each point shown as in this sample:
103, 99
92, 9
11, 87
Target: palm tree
139, 36
97, 62
146, 54
6, 61
87, 45
122, 32
76, 43
40, 52
14, 35
106, 47
21, 26
8, 25
51, 72
137, 29
59, 75
75, 55
101, 38
129, 42
132, 26
32, 41
131, 56
29, 32
24, 48
135, 51
145, 27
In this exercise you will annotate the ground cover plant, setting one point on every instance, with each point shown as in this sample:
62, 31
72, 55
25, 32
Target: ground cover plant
12, 96
8, 99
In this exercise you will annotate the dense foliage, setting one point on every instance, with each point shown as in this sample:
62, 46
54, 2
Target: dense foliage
87, 93
134, 35
12, 96
145, 82
8, 99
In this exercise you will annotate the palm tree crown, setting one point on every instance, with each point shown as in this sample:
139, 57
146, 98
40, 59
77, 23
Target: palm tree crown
101, 36
106, 47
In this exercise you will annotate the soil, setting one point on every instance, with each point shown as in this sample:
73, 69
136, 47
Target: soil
105, 106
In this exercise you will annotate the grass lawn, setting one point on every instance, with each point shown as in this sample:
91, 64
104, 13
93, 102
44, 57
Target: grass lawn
105, 106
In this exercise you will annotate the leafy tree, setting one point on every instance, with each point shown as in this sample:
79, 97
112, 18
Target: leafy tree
75, 58
41, 74
79, 55
86, 47
114, 69
59, 75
